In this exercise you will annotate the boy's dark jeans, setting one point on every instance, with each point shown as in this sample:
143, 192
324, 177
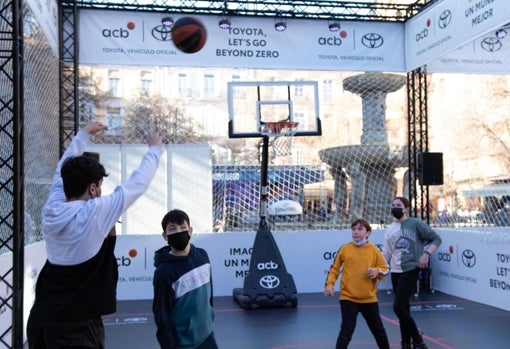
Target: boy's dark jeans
370, 312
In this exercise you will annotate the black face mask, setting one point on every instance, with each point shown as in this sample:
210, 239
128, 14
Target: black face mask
179, 240
397, 212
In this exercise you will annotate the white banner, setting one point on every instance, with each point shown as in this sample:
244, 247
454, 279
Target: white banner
35, 256
6, 295
230, 255
449, 24
474, 265
485, 55
139, 38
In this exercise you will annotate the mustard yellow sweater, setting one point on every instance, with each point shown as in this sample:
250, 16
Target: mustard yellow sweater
352, 262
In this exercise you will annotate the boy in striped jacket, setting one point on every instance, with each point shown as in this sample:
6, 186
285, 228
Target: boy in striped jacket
183, 297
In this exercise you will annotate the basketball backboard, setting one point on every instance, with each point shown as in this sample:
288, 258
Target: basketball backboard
253, 103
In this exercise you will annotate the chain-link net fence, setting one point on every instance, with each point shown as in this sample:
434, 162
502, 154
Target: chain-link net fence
469, 123
360, 159
6, 144
40, 126
41, 123
236, 193
352, 170
361, 153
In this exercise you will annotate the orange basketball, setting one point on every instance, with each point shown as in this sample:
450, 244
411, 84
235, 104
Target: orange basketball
189, 34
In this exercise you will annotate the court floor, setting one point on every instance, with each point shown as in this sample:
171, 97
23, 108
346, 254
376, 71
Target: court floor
447, 322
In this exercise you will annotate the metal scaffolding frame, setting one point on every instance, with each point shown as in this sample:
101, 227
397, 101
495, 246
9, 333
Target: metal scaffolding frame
311, 9
417, 139
68, 47
12, 108
11, 164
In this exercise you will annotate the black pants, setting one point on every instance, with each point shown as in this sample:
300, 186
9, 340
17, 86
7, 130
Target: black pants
370, 312
86, 334
404, 285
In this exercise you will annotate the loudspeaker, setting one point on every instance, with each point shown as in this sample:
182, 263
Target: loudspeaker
430, 168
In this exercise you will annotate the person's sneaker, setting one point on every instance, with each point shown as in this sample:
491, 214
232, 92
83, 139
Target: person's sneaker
420, 345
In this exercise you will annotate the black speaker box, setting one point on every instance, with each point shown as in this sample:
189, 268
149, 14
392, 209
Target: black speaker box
430, 168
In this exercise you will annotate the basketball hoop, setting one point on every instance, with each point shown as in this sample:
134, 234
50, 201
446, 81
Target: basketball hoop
281, 133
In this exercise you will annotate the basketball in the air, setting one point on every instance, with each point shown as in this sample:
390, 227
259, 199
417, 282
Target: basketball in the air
189, 34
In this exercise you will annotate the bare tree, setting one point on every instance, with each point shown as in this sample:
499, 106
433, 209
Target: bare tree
496, 133
90, 96
157, 112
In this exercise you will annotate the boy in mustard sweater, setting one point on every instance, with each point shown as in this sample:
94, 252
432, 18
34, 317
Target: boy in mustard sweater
362, 265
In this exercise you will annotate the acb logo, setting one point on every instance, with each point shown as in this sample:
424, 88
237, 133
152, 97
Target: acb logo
267, 266
123, 261
118, 33
331, 41
422, 34
444, 256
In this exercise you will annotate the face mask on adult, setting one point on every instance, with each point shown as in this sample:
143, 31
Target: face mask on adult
397, 212
179, 240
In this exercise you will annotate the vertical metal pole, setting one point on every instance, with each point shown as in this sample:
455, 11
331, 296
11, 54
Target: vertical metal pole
264, 182
18, 187
68, 71
224, 191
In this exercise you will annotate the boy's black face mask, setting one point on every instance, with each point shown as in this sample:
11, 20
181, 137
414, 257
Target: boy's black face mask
179, 240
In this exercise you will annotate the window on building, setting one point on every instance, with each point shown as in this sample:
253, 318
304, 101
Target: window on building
209, 90
146, 81
298, 89
183, 85
114, 83
327, 89
113, 87
238, 92
114, 120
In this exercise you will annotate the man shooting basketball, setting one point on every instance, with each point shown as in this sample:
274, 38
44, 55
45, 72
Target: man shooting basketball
78, 282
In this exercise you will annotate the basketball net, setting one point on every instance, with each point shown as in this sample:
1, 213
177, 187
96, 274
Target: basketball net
280, 134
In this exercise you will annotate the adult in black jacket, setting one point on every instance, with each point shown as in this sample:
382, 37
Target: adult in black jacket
78, 282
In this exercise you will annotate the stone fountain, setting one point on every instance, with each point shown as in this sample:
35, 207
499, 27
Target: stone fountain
371, 165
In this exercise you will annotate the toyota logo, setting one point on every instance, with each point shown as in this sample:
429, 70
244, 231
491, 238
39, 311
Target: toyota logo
162, 33
269, 281
468, 258
491, 44
372, 40
444, 19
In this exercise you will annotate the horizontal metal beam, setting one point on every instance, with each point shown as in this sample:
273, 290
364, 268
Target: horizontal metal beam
318, 9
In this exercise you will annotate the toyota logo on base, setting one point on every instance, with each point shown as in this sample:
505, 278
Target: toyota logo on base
269, 281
